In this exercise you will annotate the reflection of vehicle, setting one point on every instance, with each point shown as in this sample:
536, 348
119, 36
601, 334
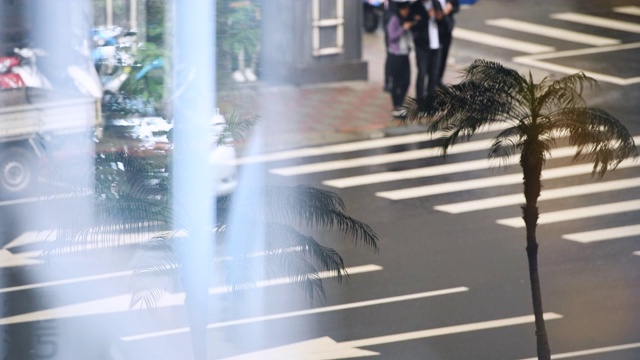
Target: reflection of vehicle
34, 122
150, 139
372, 10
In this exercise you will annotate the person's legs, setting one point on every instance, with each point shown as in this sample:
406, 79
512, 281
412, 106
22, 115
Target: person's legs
401, 75
421, 64
387, 66
433, 67
395, 68
404, 77
237, 65
445, 44
388, 80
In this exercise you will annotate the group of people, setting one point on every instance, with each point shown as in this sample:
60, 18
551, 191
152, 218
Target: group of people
426, 25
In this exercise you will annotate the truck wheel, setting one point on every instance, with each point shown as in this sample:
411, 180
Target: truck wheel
18, 172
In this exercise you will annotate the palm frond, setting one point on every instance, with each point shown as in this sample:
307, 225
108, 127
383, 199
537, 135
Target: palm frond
507, 142
280, 236
494, 75
598, 136
237, 129
489, 93
154, 271
565, 92
303, 205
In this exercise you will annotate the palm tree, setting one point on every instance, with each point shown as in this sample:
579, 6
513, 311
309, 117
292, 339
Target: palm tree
277, 221
537, 114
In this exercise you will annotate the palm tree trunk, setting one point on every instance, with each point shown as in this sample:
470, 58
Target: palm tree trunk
530, 215
532, 170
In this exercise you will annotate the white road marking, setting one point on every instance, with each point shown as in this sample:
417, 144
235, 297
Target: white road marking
576, 213
629, 10
304, 312
416, 173
499, 41
598, 21
65, 281
8, 259
536, 60
326, 348
26, 256
31, 237
559, 193
351, 146
591, 351
101, 240
552, 32
38, 199
604, 234
120, 303
636, 253
435, 170
427, 190
335, 149
380, 159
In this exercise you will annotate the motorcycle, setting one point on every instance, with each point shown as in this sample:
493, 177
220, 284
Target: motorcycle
20, 69
372, 12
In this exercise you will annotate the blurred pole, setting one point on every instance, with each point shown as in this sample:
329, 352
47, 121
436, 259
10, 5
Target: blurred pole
109, 10
61, 28
133, 14
194, 192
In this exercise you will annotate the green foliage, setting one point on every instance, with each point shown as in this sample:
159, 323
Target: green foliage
151, 87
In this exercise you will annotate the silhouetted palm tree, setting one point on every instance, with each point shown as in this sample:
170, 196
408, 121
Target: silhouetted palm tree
536, 115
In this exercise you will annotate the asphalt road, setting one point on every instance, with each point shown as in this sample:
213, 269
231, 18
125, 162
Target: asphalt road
450, 280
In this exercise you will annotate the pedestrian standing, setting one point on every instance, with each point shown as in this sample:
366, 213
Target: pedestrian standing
399, 39
427, 42
445, 30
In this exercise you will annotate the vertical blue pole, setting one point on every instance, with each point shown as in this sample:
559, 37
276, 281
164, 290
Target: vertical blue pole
194, 191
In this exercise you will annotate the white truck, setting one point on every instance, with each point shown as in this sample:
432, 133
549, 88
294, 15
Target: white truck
34, 123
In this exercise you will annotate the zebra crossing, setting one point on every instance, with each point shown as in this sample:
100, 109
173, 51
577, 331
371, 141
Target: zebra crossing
624, 22
463, 181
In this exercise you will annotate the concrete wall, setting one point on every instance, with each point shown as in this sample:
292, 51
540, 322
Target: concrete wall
287, 43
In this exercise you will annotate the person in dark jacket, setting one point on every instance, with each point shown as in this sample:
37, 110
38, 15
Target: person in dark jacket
427, 44
445, 29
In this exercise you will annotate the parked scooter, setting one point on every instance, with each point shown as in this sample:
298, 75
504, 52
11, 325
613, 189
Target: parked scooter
21, 70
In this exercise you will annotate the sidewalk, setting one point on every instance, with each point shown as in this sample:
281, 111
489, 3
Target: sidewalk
293, 117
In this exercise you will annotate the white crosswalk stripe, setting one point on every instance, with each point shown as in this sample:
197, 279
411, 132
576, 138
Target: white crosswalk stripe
552, 32
435, 170
473, 184
351, 146
576, 213
517, 199
629, 10
501, 41
598, 21
380, 159
604, 234
556, 34
467, 184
